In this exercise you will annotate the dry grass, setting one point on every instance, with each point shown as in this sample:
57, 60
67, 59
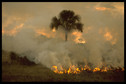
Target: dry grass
16, 69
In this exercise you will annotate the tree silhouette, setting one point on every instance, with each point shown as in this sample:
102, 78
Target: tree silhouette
68, 21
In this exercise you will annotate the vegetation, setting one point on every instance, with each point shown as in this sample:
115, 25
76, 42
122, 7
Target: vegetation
15, 71
20, 60
68, 21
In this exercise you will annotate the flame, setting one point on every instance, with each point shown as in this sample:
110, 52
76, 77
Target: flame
105, 69
76, 70
72, 69
96, 69
78, 37
86, 67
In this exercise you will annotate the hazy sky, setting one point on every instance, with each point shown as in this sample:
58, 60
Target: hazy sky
103, 24
97, 17
39, 14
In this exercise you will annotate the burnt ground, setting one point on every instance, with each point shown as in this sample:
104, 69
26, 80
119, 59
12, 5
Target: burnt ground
17, 69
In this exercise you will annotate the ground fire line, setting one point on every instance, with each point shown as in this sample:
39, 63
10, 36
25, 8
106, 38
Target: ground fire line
76, 70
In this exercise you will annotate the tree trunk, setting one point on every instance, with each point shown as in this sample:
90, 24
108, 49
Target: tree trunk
65, 35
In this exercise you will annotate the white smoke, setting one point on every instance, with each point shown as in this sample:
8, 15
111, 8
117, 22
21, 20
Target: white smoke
97, 51
55, 51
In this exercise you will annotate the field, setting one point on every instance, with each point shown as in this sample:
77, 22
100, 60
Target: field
17, 69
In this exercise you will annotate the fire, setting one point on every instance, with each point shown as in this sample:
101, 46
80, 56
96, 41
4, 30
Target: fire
104, 70
56, 70
76, 70
86, 67
79, 38
96, 69
72, 69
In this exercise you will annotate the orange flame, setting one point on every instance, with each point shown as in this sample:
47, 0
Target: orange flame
72, 69
86, 67
96, 69
105, 69
76, 70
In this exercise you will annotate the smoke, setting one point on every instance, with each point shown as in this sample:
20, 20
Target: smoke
55, 51
49, 48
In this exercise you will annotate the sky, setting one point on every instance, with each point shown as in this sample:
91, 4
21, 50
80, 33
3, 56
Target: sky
39, 14
103, 22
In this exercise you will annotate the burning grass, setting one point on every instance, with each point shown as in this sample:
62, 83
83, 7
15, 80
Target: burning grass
18, 72
77, 70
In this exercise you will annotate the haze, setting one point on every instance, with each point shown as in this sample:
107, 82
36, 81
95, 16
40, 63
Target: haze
23, 22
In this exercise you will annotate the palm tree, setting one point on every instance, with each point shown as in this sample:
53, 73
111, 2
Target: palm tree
68, 21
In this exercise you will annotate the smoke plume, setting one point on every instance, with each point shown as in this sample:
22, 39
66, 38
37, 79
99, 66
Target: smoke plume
103, 34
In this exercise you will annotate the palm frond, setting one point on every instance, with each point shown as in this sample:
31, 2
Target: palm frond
63, 16
70, 14
76, 17
55, 23
79, 27
68, 20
